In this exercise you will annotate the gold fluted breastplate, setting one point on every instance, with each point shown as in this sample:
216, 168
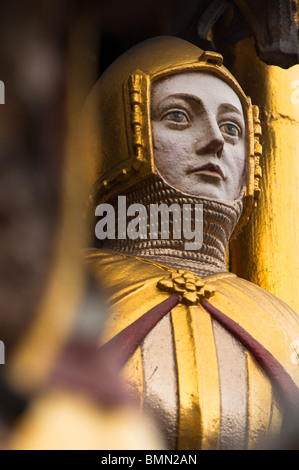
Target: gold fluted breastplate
204, 389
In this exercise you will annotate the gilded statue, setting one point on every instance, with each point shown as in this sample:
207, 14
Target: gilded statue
168, 124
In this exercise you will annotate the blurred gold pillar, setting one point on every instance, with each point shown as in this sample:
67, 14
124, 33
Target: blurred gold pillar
33, 358
267, 251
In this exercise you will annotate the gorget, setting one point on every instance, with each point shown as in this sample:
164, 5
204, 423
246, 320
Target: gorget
219, 221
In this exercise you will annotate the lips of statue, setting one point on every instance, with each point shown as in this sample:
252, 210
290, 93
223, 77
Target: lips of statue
198, 133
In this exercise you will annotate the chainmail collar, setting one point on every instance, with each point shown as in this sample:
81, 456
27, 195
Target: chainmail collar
219, 221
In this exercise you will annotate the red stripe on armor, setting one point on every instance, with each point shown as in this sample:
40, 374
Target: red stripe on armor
123, 345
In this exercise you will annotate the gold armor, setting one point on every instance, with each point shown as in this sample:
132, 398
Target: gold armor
204, 388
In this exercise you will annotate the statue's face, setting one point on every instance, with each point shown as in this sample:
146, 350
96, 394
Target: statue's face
198, 133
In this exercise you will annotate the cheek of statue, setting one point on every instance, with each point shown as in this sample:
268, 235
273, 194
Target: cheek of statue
171, 157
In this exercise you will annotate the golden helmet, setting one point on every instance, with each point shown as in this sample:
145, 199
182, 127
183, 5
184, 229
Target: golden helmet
116, 119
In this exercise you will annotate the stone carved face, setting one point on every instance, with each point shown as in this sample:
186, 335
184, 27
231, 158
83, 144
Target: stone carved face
198, 133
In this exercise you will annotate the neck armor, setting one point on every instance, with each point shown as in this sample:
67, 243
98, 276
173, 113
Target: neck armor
219, 222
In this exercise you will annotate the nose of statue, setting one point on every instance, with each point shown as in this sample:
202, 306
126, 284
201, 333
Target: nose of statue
211, 144
209, 138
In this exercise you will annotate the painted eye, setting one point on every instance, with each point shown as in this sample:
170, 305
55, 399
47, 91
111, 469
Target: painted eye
176, 116
230, 129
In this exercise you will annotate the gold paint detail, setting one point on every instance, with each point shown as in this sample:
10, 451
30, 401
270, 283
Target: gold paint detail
191, 288
135, 166
211, 58
257, 152
117, 177
207, 378
134, 83
189, 420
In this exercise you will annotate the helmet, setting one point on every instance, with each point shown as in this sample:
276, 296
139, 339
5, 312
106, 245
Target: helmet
116, 119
